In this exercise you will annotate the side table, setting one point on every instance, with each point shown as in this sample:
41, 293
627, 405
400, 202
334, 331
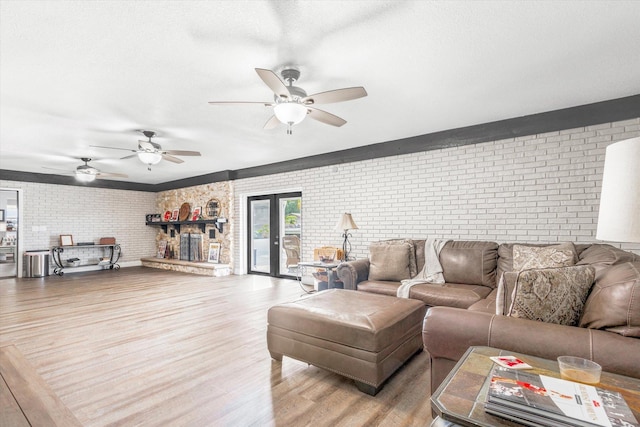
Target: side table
328, 267
461, 397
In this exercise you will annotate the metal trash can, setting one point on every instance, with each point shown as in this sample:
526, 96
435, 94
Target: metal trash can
36, 264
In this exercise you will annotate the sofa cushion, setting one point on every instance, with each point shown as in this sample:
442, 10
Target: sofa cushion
486, 305
505, 254
554, 256
470, 262
390, 261
602, 256
382, 287
614, 302
449, 294
552, 295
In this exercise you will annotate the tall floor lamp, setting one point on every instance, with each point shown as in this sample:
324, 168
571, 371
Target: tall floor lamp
619, 216
345, 224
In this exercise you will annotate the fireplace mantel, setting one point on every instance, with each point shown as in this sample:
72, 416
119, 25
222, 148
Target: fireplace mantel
201, 268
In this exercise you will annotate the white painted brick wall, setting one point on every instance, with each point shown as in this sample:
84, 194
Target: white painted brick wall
539, 188
87, 214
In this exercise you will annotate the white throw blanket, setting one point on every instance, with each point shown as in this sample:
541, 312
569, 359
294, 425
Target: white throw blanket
432, 270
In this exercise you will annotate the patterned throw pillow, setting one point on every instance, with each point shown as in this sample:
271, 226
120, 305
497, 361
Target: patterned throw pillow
528, 257
552, 295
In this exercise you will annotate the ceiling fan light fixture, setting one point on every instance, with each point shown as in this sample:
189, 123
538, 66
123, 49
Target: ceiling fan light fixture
149, 158
85, 177
290, 113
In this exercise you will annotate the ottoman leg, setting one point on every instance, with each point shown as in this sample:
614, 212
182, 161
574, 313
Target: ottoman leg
367, 388
276, 356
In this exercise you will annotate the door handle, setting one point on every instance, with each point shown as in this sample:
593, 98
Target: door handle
275, 243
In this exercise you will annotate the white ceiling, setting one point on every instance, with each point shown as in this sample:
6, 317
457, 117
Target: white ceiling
75, 74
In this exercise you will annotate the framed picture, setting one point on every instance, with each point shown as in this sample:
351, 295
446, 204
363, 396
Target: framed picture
174, 215
66, 240
212, 209
162, 249
1, 215
196, 214
214, 252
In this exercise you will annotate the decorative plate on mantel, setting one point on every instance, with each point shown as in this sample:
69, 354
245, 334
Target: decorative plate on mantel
185, 210
167, 216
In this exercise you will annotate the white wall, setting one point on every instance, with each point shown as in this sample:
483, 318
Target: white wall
87, 214
540, 188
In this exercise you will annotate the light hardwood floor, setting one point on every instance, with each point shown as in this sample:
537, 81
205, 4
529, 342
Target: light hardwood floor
141, 346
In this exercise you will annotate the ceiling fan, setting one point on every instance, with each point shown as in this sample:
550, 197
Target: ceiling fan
151, 153
292, 104
86, 173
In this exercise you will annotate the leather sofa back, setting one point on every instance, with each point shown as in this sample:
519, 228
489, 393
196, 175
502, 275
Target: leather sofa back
470, 262
601, 256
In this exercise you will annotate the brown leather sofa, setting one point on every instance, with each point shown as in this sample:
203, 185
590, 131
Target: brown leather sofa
462, 311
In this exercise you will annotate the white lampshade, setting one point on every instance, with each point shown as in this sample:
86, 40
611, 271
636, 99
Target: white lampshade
149, 158
346, 223
619, 216
85, 177
290, 112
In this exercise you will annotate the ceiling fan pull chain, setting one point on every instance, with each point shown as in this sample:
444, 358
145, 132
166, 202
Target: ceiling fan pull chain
290, 130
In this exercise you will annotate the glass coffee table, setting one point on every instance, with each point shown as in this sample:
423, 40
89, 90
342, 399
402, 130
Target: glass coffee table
461, 397
328, 267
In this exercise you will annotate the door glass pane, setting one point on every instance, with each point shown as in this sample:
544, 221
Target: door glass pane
8, 233
289, 216
260, 247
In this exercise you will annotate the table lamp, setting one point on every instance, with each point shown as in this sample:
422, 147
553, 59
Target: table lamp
345, 224
619, 215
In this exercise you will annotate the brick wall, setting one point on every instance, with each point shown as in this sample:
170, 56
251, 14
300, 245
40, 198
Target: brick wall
87, 214
540, 188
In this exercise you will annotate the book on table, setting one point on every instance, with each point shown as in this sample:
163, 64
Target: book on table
539, 400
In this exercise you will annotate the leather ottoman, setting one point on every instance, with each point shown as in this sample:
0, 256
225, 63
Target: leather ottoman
359, 335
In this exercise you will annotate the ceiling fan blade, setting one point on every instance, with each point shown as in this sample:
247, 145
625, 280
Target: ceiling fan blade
324, 117
272, 123
101, 175
337, 95
273, 81
129, 157
181, 153
266, 104
112, 148
171, 158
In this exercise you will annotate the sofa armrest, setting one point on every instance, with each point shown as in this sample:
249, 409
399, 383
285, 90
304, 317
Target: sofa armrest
447, 333
353, 272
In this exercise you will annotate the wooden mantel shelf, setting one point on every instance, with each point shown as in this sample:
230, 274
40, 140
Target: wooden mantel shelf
202, 268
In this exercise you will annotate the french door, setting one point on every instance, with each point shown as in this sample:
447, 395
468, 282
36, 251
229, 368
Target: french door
274, 225
8, 233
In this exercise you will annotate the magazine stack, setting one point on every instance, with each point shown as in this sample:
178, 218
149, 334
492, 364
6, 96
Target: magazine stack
541, 401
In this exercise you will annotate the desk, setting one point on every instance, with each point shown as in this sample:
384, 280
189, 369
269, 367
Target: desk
461, 397
329, 267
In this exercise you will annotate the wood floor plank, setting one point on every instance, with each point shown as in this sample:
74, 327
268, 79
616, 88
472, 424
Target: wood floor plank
36, 400
10, 412
150, 347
